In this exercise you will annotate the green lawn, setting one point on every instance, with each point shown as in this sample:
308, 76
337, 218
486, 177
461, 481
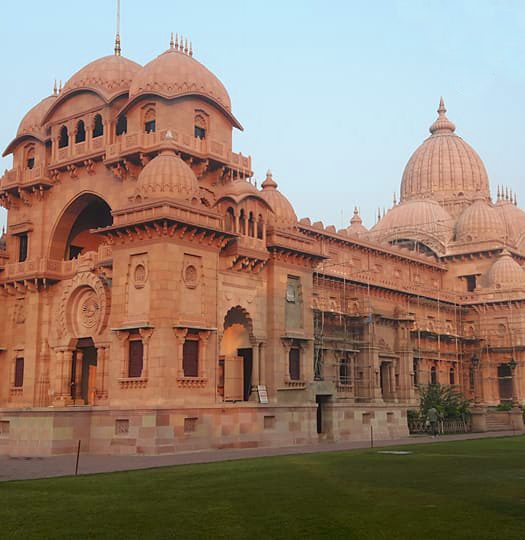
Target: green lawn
469, 489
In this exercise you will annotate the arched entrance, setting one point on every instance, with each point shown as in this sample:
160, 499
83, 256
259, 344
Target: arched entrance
236, 355
72, 236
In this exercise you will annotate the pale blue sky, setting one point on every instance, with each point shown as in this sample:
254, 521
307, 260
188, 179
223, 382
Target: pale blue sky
334, 96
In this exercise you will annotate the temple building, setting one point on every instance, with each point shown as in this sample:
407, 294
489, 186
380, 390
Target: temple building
156, 300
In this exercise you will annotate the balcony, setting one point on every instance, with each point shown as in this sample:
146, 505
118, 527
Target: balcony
141, 142
49, 270
27, 179
75, 152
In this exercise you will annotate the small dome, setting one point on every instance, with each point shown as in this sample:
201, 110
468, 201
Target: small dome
506, 273
480, 222
32, 121
176, 73
444, 167
237, 190
356, 225
513, 218
412, 220
167, 175
109, 75
284, 214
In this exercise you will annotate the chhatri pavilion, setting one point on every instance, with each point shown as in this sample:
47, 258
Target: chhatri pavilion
155, 299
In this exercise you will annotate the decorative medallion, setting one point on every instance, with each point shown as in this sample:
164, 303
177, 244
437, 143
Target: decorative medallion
89, 310
140, 276
190, 276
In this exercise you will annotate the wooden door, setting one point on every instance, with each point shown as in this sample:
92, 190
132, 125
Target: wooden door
233, 378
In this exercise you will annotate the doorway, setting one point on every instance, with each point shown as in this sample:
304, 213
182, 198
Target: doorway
247, 365
83, 372
322, 417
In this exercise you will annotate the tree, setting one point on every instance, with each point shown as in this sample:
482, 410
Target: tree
449, 402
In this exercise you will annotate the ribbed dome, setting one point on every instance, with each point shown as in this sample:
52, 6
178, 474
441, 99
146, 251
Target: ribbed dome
167, 176
356, 225
444, 167
109, 75
409, 219
284, 214
32, 121
513, 218
237, 190
480, 222
176, 73
506, 273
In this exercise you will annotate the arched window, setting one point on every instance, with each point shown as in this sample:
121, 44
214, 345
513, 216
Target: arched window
452, 376
230, 220
433, 375
251, 225
30, 157
200, 127
242, 222
63, 140
260, 227
150, 125
80, 135
98, 126
122, 125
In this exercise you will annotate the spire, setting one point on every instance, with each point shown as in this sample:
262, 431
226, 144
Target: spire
55, 89
191, 48
269, 182
118, 49
515, 200
499, 194
395, 198
172, 43
442, 124
60, 87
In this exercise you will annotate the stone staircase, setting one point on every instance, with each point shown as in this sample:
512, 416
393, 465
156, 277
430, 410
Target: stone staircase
498, 421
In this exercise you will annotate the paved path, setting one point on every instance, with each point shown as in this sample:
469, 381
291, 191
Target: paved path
28, 468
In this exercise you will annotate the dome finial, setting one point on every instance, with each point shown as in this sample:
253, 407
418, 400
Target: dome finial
191, 48
55, 89
172, 42
269, 182
118, 49
442, 124
395, 198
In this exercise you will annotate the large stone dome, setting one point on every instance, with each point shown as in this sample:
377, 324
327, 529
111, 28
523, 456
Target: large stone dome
283, 212
506, 273
109, 75
176, 73
167, 176
444, 168
421, 220
480, 222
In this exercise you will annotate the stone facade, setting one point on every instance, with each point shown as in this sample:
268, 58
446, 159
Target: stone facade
153, 296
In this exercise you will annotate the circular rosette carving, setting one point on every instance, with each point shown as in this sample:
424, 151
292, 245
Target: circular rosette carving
83, 306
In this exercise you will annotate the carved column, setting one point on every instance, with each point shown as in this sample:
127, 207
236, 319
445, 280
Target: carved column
262, 364
145, 334
79, 360
123, 338
204, 337
102, 373
180, 336
255, 363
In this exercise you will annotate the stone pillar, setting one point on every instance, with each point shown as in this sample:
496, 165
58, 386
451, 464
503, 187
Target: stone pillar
180, 336
255, 367
516, 419
78, 376
66, 381
102, 373
262, 364
145, 334
204, 337
479, 419
123, 338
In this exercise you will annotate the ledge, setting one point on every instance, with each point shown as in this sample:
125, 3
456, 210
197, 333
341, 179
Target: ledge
133, 382
136, 326
192, 382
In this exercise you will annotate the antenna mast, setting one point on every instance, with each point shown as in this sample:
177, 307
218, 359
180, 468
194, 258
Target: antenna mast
117, 36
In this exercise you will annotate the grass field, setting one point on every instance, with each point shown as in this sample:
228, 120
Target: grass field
468, 489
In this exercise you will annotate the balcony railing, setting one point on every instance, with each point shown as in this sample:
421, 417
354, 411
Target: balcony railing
19, 177
141, 141
53, 269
